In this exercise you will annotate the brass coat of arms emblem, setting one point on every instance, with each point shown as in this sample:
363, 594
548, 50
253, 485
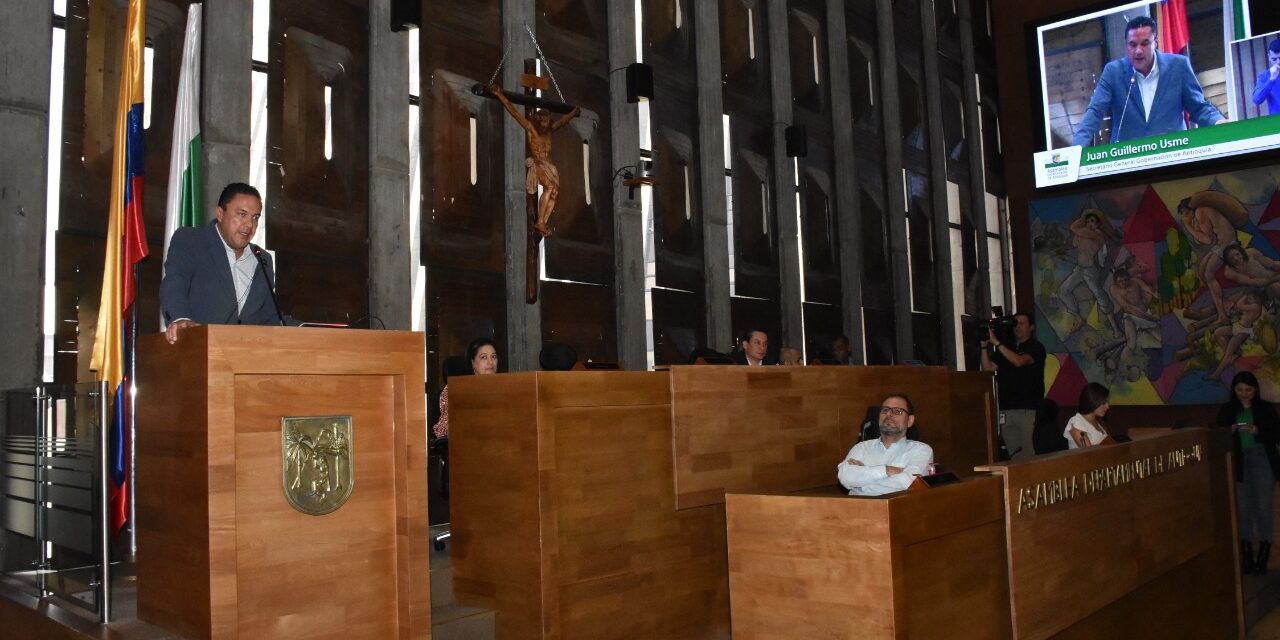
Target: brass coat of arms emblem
317, 462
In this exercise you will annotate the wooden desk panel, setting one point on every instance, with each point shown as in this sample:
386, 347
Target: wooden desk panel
764, 428
590, 504
564, 517
974, 441
1143, 546
915, 565
772, 429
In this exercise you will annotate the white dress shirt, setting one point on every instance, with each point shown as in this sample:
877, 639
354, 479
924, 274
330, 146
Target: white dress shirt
871, 479
1148, 84
243, 269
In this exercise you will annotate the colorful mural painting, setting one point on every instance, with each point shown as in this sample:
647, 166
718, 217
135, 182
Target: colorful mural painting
1161, 291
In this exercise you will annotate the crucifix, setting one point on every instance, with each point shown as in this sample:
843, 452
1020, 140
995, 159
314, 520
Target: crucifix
537, 121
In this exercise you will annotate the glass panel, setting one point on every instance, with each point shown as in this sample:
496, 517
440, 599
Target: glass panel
957, 289
996, 254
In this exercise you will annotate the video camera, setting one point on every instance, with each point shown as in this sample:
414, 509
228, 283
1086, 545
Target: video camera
1000, 324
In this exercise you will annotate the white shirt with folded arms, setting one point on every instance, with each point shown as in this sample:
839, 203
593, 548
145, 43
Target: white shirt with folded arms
871, 479
1078, 422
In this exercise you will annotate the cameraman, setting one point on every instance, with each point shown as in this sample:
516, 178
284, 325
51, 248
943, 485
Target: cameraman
1019, 371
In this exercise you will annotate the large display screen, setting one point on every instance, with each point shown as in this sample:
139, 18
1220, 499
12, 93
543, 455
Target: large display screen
1146, 84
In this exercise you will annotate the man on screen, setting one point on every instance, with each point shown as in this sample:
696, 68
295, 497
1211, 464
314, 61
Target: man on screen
1146, 92
1267, 89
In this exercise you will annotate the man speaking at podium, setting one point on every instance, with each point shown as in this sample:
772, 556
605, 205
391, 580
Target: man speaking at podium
214, 275
1145, 92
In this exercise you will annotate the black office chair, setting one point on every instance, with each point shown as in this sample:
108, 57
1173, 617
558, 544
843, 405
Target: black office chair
438, 452
1047, 436
706, 355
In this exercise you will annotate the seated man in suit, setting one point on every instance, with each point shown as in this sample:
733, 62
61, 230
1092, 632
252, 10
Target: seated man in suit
213, 274
1145, 92
753, 349
891, 462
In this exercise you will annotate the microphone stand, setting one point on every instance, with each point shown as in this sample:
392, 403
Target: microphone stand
1133, 79
271, 289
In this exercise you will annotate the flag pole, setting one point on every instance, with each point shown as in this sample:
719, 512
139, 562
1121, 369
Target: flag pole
132, 404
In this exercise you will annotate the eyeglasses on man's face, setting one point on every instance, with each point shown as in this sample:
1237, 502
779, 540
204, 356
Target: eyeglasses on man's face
897, 411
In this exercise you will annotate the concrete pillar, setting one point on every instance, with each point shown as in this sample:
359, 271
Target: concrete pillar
227, 71
715, 221
25, 43
391, 264
977, 163
938, 181
524, 321
628, 220
847, 204
790, 271
894, 189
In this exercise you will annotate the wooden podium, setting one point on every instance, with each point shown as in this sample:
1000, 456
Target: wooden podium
222, 552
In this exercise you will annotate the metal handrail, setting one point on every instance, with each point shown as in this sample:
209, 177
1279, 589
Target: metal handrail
103, 519
46, 461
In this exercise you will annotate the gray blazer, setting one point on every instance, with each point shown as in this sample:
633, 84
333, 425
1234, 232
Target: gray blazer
197, 282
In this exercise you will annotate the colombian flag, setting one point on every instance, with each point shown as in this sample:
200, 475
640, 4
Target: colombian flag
1174, 33
126, 246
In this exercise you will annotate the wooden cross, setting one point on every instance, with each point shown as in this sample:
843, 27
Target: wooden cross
541, 171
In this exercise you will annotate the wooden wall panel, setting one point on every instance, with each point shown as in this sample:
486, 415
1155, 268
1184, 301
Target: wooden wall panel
318, 207
822, 325
811, 96
678, 326
574, 36
746, 92
462, 306
677, 204
463, 245
582, 317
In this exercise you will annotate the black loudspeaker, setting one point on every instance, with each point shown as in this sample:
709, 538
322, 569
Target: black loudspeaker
639, 82
797, 142
406, 14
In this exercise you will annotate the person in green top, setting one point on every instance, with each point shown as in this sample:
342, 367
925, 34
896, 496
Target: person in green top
1257, 428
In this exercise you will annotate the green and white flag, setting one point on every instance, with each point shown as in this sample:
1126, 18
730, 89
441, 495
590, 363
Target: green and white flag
185, 207
1240, 19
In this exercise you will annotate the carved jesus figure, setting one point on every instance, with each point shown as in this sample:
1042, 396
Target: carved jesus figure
539, 127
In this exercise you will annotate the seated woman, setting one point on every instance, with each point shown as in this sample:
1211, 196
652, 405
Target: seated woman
1085, 428
483, 357
1257, 428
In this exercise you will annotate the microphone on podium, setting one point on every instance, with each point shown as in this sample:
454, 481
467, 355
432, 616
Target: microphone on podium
271, 287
